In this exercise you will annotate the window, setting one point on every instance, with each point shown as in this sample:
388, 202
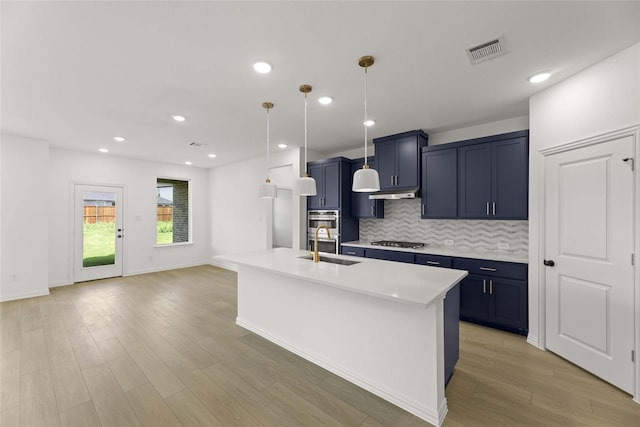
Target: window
172, 223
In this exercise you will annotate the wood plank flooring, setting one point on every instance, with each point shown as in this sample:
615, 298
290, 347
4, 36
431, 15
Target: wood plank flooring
162, 349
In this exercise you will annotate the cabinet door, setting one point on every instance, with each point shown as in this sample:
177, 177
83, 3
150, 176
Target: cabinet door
407, 163
440, 183
331, 187
507, 303
316, 172
390, 255
474, 184
510, 178
386, 159
473, 301
361, 205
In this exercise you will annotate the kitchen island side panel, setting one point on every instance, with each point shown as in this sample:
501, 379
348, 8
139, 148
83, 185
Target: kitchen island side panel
391, 349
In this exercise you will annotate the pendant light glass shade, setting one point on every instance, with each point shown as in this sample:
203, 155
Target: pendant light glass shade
365, 180
305, 186
267, 190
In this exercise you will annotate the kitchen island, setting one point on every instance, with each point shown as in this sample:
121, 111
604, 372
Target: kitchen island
375, 323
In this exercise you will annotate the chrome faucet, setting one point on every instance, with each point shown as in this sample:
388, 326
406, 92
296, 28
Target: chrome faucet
316, 256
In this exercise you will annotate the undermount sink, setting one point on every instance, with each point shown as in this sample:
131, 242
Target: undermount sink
331, 260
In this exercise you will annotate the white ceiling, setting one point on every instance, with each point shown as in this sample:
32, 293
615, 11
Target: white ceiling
79, 73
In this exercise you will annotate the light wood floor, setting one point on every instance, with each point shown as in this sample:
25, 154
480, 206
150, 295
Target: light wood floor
162, 349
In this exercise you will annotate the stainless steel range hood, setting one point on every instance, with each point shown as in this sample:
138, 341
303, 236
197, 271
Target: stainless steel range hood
410, 193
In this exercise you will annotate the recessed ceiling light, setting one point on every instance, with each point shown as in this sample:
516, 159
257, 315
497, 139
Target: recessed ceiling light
213, 156
370, 123
282, 145
103, 150
118, 138
538, 78
262, 67
188, 163
178, 118
325, 100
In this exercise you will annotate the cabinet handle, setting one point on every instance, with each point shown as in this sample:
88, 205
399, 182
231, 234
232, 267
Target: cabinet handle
490, 287
488, 269
423, 209
373, 210
351, 253
433, 263
494, 208
392, 180
484, 286
396, 180
487, 208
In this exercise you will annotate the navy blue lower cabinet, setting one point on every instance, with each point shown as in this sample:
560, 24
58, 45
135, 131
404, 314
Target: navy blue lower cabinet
353, 251
390, 255
434, 260
494, 294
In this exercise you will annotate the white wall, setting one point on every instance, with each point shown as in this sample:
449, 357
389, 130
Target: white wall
25, 207
138, 178
478, 131
600, 99
240, 220
469, 132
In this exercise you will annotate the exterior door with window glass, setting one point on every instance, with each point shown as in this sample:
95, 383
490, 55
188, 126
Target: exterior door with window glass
98, 232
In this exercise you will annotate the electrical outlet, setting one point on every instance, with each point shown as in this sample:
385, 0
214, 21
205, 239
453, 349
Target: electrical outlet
503, 246
13, 277
449, 242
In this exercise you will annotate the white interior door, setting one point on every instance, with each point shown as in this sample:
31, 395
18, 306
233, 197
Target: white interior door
589, 218
98, 232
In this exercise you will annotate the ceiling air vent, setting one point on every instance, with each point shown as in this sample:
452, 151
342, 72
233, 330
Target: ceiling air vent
488, 50
195, 144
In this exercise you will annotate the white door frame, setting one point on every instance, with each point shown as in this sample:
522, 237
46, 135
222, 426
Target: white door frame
634, 132
72, 224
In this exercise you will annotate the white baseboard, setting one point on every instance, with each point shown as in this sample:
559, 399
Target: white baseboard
164, 268
22, 295
59, 284
218, 261
533, 340
430, 416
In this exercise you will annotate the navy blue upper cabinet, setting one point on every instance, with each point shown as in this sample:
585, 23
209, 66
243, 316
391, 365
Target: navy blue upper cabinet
511, 178
439, 187
332, 178
361, 205
317, 173
398, 159
493, 177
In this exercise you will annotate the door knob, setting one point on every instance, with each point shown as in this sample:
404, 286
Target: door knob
119, 236
549, 263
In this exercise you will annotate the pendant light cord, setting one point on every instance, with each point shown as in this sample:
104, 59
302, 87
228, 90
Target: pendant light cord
268, 144
365, 115
305, 134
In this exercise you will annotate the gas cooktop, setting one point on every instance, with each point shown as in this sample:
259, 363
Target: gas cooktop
397, 244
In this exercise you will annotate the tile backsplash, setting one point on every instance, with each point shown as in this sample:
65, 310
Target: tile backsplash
402, 222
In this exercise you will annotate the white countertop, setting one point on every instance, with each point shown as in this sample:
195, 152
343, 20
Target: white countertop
401, 282
508, 256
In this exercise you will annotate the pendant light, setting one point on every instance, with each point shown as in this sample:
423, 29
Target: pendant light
268, 190
305, 186
366, 180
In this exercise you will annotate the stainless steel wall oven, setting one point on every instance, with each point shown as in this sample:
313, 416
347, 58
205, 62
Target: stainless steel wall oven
329, 219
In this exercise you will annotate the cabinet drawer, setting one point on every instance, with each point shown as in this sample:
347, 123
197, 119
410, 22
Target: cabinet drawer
492, 268
434, 260
353, 251
390, 255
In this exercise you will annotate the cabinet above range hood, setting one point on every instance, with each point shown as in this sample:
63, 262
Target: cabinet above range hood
410, 193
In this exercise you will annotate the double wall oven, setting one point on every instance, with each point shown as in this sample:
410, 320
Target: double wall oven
328, 243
